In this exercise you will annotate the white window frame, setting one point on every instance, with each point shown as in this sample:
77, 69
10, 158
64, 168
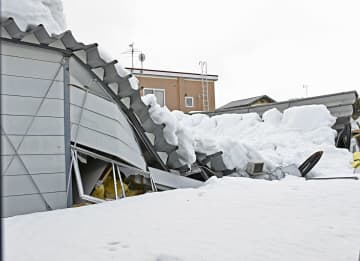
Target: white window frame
192, 101
156, 89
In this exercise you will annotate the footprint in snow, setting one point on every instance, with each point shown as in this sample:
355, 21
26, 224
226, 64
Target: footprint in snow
167, 258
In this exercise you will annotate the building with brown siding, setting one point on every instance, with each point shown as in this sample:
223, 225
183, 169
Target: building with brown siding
178, 90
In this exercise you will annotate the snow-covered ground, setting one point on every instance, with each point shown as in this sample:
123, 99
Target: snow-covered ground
277, 139
227, 219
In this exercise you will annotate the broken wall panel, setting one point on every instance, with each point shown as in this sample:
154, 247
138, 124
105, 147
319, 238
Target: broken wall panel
103, 127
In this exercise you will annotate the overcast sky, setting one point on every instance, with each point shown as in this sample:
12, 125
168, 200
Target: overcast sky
256, 47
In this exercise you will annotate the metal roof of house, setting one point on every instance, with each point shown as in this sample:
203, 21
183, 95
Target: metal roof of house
162, 73
245, 102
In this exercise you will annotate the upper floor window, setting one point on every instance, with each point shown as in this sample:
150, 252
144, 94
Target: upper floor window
189, 101
159, 94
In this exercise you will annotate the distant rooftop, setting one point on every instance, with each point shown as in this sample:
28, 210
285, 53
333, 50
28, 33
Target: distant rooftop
246, 102
162, 73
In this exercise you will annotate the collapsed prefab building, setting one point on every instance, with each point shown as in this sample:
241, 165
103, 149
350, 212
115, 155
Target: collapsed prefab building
70, 119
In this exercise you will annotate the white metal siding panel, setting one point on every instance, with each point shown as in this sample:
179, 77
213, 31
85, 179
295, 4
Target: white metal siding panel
29, 52
14, 85
17, 105
33, 145
16, 185
27, 73
34, 163
17, 125
108, 145
23, 67
103, 127
17, 205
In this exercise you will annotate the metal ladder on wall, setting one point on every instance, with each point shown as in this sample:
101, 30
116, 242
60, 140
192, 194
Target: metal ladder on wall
204, 86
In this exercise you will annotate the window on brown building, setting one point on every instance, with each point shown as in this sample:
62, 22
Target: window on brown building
189, 101
159, 94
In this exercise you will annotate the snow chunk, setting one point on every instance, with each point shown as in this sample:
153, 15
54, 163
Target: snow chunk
29, 12
308, 117
272, 116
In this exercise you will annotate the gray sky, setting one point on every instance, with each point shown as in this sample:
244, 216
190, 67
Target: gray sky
255, 46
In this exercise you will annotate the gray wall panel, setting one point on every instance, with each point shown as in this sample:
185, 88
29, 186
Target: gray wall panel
22, 184
17, 205
109, 145
30, 68
102, 124
32, 145
98, 105
30, 52
17, 125
34, 163
16, 105
14, 85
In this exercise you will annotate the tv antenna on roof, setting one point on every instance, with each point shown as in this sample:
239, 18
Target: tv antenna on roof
131, 51
305, 86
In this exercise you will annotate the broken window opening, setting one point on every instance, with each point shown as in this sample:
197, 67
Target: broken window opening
97, 178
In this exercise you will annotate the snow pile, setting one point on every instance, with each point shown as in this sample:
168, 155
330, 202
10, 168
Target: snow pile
34, 12
277, 139
227, 219
175, 133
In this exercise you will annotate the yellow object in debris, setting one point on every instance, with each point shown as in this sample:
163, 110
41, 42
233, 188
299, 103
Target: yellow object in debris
110, 188
356, 159
99, 191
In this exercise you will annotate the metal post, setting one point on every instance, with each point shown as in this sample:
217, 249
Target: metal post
121, 181
114, 177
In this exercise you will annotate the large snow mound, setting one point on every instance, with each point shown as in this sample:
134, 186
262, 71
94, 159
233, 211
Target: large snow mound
227, 219
277, 139
33, 12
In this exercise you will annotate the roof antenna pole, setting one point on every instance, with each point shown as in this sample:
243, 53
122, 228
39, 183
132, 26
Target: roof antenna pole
305, 86
132, 55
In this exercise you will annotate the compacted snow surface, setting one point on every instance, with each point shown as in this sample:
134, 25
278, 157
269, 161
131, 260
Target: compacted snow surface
227, 219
